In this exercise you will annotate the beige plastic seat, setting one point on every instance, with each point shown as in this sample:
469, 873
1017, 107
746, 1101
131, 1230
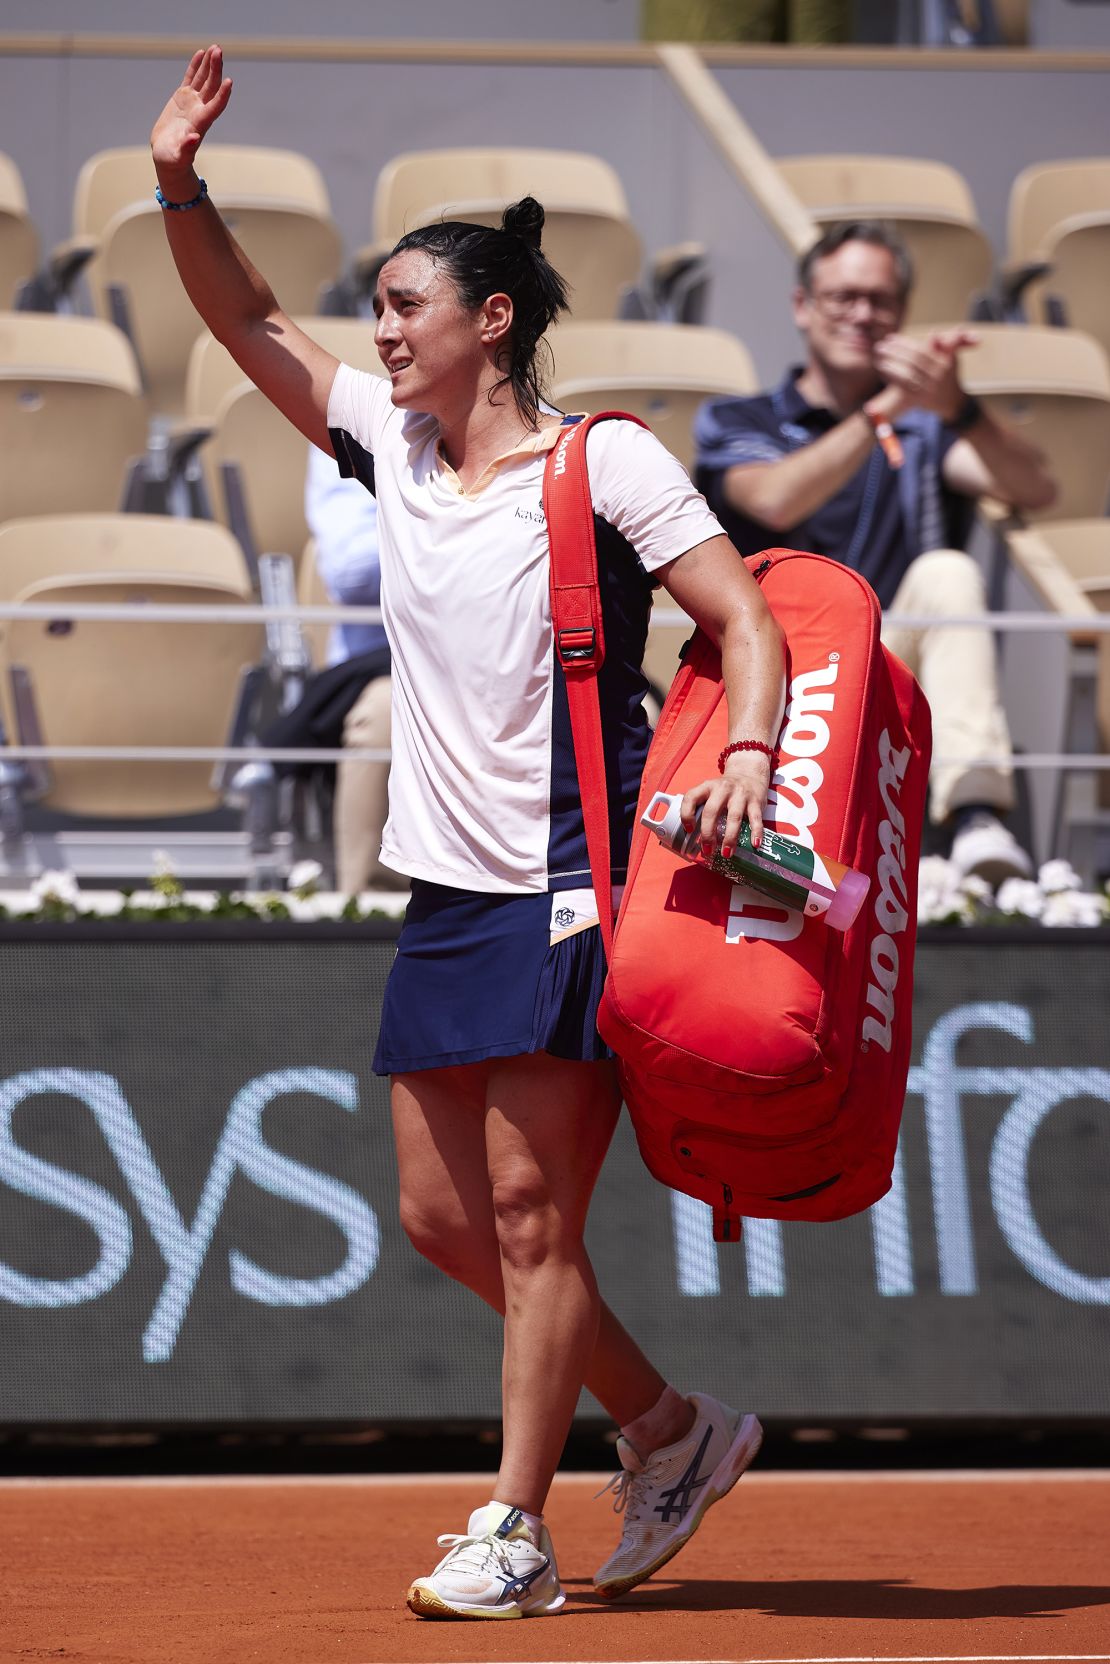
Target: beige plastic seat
588, 233
275, 203
1049, 193
659, 372
1053, 385
49, 546
55, 547
19, 241
1067, 564
930, 204
248, 432
72, 414
133, 684
1060, 214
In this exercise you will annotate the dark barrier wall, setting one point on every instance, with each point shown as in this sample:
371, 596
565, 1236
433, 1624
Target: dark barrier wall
197, 1204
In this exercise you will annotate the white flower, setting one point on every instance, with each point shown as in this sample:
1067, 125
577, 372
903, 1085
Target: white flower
1073, 907
1057, 876
977, 889
163, 864
57, 886
1021, 895
940, 898
304, 877
306, 909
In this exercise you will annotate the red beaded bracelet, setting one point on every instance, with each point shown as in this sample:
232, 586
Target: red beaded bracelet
745, 745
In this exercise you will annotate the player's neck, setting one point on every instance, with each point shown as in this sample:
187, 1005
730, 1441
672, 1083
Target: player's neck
482, 433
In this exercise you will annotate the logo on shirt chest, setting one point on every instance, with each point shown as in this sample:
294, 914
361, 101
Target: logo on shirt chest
535, 515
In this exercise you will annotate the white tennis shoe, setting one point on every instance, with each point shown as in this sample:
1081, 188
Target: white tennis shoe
493, 1570
664, 1498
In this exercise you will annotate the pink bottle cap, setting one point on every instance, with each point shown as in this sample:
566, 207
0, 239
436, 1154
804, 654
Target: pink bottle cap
851, 893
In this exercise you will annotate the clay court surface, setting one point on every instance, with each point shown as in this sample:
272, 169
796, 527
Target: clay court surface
1011, 1566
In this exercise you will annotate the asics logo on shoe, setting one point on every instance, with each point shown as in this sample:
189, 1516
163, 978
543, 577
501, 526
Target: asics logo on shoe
509, 1523
675, 1503
519, 1586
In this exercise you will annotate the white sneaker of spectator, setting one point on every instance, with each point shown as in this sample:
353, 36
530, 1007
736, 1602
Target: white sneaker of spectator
984, 848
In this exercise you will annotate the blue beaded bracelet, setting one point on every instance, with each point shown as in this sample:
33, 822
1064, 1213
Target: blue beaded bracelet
180, 207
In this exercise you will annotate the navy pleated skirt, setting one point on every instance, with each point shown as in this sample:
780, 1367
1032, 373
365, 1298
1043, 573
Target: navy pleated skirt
475, 976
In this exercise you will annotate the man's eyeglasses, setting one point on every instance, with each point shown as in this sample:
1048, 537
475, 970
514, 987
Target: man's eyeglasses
837, 304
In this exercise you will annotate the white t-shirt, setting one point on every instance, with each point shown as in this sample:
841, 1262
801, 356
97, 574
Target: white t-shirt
482, 791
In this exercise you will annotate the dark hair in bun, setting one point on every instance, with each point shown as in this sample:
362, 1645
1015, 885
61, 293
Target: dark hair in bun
482, 261
524, 219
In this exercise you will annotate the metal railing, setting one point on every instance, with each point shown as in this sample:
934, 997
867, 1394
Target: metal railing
1090, 624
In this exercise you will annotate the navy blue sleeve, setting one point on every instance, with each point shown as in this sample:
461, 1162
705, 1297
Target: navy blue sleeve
731, 432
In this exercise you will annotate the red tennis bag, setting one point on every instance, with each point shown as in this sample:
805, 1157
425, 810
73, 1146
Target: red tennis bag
762, 1054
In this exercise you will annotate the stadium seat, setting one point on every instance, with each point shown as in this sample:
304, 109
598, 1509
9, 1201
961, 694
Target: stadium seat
1054, 386
1067, 564
19, 242
52, 548
661, 373
274, 201
130, 684
253, 459
87, 682
1059, 244
72, 416
59, 546
588, 233
929, 203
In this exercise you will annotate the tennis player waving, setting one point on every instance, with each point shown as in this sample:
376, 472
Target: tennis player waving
504, 1097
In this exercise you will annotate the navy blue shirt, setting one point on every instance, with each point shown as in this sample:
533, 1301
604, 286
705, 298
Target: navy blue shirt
877, 523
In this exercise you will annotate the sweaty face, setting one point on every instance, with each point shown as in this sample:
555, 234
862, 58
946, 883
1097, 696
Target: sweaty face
428, 341
853, 302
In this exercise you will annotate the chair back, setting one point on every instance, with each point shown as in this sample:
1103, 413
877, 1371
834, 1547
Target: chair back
274, 202
131, 684
270, 454
659, 372
588, 233
72, 414
1052, 385
19, 241
1048, 193
930, 205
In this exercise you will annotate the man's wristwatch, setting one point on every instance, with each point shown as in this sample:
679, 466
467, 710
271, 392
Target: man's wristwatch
970, 412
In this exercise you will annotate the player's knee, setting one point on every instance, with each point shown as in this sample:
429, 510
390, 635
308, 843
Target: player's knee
530, 1229
438, 1235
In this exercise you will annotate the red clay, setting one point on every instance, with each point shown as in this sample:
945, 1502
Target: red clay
786, 1568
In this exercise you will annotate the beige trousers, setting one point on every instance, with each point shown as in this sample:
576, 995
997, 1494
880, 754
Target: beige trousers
959, 676
362, 797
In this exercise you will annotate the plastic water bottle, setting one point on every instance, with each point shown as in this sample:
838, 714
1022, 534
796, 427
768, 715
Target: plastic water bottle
781, 868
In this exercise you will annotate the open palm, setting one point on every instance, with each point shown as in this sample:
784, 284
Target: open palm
198, 101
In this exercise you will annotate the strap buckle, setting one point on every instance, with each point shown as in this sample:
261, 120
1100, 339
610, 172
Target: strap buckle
577, 646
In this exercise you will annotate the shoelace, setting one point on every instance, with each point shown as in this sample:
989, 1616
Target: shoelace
623, 1486
493, 1549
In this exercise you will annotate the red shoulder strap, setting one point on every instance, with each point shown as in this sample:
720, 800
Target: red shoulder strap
580, 638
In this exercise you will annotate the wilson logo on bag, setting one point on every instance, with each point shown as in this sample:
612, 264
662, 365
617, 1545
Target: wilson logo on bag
764, 1056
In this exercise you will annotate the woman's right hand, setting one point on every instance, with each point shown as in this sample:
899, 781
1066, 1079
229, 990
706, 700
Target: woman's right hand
198, 102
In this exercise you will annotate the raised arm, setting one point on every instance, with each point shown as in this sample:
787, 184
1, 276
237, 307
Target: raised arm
234, 299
